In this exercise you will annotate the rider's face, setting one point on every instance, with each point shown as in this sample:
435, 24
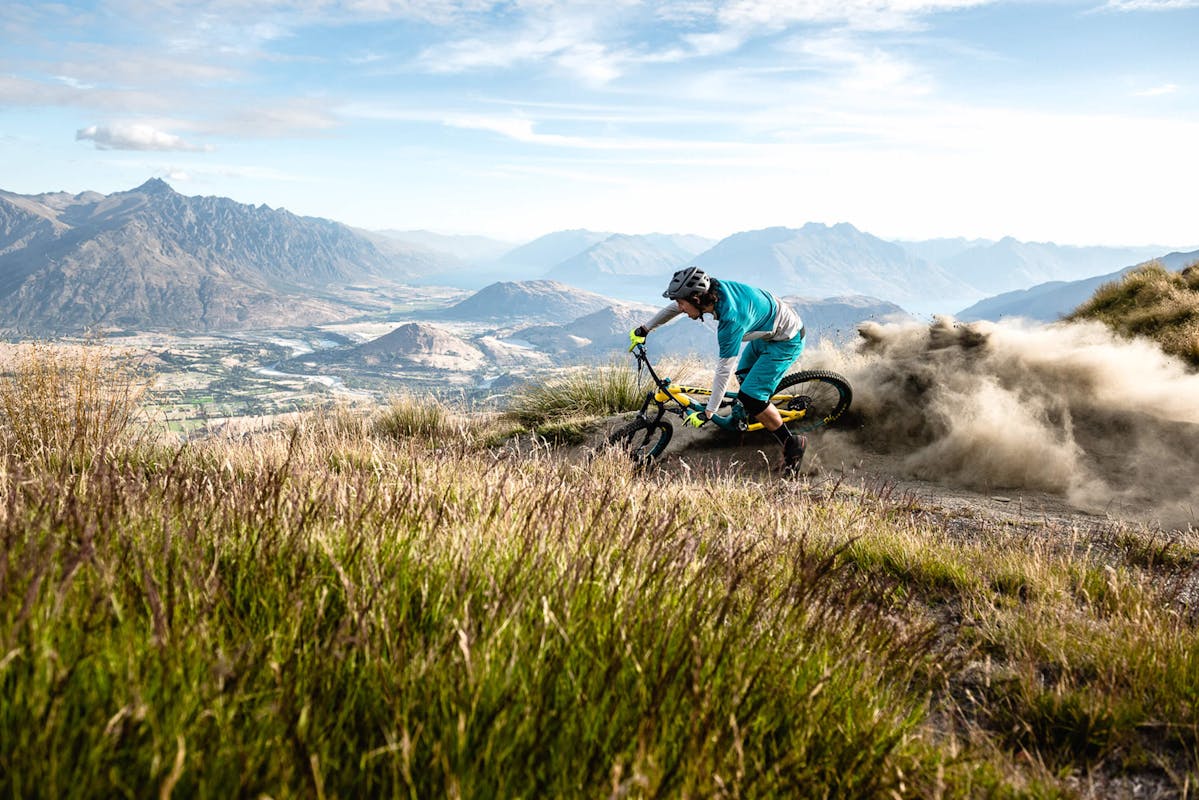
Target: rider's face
688, 308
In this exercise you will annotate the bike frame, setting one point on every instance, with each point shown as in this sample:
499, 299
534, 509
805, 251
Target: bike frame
680, 395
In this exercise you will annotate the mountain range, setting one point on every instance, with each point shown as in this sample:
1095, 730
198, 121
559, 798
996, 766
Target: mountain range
153, 259
1053, 300
569, 332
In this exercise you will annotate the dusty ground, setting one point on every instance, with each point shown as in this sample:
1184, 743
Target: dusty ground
836, 461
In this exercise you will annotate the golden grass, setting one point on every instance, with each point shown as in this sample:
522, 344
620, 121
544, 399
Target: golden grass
75, 403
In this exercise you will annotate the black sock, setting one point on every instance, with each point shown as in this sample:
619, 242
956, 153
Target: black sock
783, 435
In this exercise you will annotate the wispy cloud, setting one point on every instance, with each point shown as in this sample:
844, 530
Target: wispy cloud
524, 130
1158, 91
774, 15
134, 136
108, 65
301, 117
859, 67
576, 37
1150, 5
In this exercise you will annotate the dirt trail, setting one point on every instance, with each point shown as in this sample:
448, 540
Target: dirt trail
834, 462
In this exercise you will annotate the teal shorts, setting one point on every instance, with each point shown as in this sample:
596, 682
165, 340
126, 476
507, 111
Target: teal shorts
763, 364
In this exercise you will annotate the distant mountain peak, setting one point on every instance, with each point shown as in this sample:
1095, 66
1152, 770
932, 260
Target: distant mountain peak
150, 258
155, 186
545, 299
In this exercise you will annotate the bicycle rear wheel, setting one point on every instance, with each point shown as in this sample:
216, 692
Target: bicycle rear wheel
822, 396
642, 439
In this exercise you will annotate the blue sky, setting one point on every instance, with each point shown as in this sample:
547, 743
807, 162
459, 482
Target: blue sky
1072, 122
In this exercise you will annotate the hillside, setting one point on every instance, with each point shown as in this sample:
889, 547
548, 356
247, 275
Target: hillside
419, 345
520, 301
465, 248
1152, 302
1051, 301
836, 319
153, 259
406, 599
1007, 265
604, 333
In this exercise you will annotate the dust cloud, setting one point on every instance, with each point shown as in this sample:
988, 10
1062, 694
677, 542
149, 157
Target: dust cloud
1064, 408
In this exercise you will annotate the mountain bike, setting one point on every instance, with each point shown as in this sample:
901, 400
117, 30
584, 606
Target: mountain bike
806, 400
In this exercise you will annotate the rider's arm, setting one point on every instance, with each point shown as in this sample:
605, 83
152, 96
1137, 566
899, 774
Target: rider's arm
662, 317
724, 371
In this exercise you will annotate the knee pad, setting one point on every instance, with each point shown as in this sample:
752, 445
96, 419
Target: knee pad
752, 404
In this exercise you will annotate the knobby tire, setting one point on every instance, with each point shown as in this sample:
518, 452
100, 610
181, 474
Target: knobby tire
642, 439
826, 396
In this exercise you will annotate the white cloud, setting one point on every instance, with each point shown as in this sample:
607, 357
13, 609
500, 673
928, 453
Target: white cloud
523, 130
1158, 91
861, 14
861, 69
74, 83
134, 136
569, 36
1150, 5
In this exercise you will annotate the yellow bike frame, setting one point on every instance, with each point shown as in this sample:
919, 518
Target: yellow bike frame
684, 395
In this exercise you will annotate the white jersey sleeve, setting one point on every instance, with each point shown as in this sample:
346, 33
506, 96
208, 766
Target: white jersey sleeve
724, 371
662, 317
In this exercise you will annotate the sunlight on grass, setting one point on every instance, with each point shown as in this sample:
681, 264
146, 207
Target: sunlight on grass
74, 403
384, 601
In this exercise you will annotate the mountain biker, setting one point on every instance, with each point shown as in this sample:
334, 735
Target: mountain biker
775, 336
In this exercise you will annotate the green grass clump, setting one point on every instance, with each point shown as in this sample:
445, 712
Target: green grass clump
427, 418
1152, 302
580, 393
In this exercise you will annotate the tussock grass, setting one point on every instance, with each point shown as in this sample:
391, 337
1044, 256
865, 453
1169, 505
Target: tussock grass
434, 625
70, 404
580, 393
1153, 302
329, 609
428, 418
563, 408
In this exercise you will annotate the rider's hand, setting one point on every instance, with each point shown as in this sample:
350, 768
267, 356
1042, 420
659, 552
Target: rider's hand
636, 337
695, 418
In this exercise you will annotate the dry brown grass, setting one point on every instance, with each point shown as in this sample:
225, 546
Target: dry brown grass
76, 403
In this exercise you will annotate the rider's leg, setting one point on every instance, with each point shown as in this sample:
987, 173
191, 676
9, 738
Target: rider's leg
765, 412
769, 363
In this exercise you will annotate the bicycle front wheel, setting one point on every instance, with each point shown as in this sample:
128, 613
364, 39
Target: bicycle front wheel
642, 440
812, 398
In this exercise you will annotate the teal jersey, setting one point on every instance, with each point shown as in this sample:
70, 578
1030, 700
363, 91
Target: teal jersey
742, 312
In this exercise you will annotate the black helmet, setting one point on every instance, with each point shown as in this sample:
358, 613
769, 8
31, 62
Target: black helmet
687, 283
